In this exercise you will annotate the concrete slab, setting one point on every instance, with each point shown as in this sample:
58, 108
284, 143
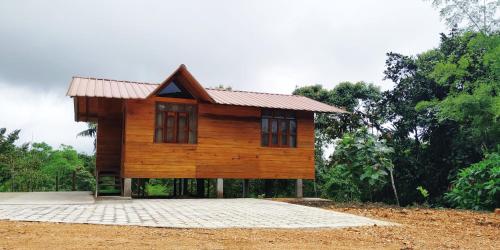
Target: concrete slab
46, 198
190, 213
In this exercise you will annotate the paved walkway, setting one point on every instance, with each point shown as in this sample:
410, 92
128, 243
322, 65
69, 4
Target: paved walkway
46, 198
189, 213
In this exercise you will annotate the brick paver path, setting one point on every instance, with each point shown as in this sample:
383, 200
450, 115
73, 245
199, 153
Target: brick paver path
189, 213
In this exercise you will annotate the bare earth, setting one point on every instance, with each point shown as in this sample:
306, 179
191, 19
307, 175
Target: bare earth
420, 229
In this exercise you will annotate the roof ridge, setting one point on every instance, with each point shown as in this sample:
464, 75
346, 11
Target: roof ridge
114, 80
254, 92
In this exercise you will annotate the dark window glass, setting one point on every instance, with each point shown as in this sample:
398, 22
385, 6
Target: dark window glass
293, 141
274, 132
174, 90
283, 133
183, 128
267, 113
293, 133
265, 132
169, 127
279, 114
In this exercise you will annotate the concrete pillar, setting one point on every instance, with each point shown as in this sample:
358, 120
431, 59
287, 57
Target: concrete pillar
299, 190
220, 188
246, 188
127, 187
96, 184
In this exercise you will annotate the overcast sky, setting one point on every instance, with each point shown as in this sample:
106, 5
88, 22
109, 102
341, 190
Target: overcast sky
268, 46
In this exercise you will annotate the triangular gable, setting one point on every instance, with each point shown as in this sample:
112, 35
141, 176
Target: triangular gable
174, 90
184, 81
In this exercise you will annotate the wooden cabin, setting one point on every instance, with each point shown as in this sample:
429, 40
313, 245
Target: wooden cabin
179, 129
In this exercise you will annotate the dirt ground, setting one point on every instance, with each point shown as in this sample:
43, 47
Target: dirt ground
421, 228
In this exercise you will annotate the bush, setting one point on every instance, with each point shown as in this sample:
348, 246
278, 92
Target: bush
156, 190
339, 186
360, 166
478, 186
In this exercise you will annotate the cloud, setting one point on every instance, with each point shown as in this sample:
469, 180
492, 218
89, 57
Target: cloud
270, 46
42, 117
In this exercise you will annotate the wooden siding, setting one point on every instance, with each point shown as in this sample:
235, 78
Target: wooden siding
228, 146
109, 135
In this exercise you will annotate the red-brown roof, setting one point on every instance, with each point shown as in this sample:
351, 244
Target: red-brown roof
98, 87
266, 100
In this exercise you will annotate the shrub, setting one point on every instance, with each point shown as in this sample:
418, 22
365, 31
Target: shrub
360, 165
478, 186
339, 186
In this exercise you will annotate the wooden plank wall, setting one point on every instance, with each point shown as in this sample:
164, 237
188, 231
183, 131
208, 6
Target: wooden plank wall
109, 135
228, 146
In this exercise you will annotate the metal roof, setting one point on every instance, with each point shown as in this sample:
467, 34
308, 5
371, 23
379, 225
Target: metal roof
267, 100
98, 87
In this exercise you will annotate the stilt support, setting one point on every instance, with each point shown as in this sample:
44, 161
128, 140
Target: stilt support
220, 188
127, 187
299, 190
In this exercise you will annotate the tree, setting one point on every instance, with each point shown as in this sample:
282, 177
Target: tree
358, 98
442, 114
476, 15
365, 161
63, 161
91, 132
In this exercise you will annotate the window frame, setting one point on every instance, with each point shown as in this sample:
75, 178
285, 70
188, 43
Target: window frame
188, 128
274, 115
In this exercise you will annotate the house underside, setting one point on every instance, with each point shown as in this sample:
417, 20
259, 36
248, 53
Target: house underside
178, 129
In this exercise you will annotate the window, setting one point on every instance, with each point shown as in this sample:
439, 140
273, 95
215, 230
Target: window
278, 128
174, 90
175, 123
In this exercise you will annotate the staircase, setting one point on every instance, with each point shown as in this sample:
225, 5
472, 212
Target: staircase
109, 183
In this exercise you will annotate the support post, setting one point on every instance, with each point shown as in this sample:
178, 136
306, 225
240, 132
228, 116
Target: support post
127, 187
299, 190
96, 184
246, 188
220, 188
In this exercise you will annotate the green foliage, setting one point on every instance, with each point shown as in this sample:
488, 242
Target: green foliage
339, 185
423, 192
360, 166
91, 132
478, 186
440, 117
156, 190
38, 167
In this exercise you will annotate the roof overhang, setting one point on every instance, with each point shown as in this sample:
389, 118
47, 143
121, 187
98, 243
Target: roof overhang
86, 92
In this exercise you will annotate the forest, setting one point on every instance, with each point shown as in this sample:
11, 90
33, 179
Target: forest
433, 139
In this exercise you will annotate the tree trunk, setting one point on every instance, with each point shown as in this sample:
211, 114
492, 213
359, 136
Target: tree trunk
74, 181
57, 182
394, 187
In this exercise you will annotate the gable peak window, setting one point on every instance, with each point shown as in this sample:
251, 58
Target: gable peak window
278, 128
175, 123
175, 90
